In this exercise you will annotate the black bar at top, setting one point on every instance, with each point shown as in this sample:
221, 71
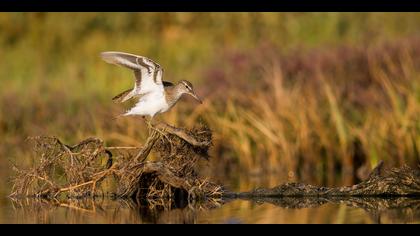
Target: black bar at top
209, 5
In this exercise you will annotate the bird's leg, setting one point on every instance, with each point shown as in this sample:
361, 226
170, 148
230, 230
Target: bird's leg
150, 127
148, 123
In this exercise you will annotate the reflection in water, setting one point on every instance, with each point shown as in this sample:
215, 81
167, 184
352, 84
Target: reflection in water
395, 209
31, 210
268, 210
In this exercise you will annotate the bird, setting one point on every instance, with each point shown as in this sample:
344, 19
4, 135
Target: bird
154, 95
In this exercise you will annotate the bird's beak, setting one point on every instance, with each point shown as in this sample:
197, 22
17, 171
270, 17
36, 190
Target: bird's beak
192, 93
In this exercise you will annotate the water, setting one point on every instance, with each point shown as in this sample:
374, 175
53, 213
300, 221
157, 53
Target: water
278, 211
232, 212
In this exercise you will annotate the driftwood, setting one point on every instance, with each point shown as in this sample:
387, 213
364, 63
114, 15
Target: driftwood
403, 181
397, 188
81, 170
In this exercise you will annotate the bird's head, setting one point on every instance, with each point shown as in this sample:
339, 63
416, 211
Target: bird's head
186, 88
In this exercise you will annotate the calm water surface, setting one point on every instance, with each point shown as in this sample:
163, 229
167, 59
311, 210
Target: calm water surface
233, 212
227, 212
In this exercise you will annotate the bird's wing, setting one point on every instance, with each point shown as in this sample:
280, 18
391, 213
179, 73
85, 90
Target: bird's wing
147, 72
167, 84
124, 96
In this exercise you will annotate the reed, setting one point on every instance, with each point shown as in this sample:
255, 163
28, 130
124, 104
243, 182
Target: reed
305, 127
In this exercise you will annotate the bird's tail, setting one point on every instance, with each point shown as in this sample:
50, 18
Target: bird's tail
118, 116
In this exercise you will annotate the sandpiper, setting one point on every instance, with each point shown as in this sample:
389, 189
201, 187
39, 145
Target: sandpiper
155, 95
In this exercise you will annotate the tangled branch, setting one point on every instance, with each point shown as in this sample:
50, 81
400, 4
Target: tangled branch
89, 168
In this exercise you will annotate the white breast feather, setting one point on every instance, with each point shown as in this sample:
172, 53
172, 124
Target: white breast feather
150, 104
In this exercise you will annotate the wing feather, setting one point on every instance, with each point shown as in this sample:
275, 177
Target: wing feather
148, 73
124, 96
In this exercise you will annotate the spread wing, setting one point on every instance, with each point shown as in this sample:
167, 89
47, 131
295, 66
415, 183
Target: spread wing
147, 72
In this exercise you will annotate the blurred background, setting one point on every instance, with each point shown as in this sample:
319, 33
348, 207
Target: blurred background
318, 98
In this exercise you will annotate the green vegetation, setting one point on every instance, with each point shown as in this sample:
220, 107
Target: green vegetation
332, 93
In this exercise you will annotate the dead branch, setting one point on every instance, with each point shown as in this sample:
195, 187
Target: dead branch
82, 169
181, 133
403, 181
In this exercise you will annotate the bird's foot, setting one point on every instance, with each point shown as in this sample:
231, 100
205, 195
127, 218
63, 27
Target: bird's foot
149, 124
117, 116
160, 131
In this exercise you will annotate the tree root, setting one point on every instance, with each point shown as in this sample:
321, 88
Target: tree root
79, 170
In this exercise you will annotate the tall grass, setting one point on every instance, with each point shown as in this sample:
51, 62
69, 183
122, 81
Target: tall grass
320, 123
311, 96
